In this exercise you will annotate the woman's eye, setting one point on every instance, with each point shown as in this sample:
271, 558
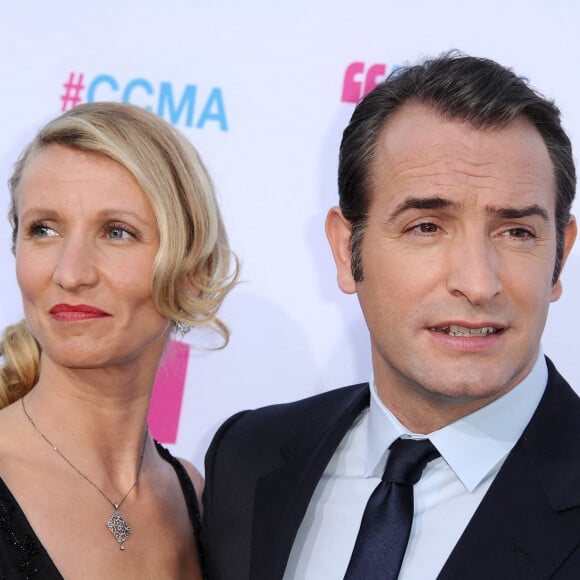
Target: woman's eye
119, 233
40, 230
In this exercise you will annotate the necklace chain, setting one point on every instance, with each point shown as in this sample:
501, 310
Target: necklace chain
116, 523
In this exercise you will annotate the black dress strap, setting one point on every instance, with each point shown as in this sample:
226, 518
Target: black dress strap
22, 556
190, 498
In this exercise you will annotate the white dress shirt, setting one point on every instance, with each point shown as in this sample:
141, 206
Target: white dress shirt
472, 449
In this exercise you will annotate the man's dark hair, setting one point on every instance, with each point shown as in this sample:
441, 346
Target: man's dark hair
464, 88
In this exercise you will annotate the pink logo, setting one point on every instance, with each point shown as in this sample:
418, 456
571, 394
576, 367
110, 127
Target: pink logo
168, 393
72, 91
358, 82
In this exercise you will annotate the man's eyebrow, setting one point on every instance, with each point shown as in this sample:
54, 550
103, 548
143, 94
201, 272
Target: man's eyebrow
422, 203
511, 213
442, 203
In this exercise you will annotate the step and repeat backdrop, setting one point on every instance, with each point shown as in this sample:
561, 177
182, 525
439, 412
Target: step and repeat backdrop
264, 90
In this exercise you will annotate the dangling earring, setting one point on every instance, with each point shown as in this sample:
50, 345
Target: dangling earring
181, 327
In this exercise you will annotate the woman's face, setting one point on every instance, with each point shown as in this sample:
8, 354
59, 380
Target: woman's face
87, 238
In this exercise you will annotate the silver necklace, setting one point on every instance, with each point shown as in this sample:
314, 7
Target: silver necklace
116, 524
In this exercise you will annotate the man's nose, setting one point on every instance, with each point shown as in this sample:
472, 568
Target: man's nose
473, 268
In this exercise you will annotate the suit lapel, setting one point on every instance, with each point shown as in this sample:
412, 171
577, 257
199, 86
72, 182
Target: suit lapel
290, 486
529, 522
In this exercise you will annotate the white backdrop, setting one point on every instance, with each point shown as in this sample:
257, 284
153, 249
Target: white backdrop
257, 87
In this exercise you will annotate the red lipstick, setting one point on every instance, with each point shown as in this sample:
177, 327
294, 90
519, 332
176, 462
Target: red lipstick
76, 312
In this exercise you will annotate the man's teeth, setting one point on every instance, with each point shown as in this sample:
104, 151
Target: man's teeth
456, 330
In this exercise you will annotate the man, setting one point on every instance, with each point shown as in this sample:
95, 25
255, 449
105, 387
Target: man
455, 182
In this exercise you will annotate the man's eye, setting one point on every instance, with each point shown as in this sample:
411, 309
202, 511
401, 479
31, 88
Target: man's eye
521, 233
427, 228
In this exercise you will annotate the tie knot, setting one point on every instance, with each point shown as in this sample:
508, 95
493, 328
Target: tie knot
407, 460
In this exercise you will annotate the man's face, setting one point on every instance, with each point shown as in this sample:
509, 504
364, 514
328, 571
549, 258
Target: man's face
458, 255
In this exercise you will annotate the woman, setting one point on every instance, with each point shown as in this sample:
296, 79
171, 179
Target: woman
118, 241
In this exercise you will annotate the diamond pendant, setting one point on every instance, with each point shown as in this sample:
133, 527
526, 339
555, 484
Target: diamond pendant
119, 527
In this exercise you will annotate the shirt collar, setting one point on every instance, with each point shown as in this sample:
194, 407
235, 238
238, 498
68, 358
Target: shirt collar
473, 445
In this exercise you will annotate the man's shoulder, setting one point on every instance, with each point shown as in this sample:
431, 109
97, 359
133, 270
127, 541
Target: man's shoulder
281, 421
559, 392
558, 413
335, 400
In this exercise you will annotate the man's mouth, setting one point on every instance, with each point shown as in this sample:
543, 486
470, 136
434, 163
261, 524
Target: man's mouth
457, 330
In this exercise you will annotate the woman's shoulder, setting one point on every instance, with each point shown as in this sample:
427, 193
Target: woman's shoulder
14, 431
195, 476
186, 472
21, 551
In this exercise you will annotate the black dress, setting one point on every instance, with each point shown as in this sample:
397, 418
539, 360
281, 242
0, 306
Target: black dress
23, 557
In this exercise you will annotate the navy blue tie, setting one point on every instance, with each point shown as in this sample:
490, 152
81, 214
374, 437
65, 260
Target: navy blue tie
386, 523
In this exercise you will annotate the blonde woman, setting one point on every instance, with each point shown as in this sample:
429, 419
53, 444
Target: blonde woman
118, 241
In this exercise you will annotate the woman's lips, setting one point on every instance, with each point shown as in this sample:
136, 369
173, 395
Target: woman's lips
76, 312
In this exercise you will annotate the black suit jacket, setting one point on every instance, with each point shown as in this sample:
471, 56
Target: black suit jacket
262, 468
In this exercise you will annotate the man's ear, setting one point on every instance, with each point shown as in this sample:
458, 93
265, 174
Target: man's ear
569, 237
339, 233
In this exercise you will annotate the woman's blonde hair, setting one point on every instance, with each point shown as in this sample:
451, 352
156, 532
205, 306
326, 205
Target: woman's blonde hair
194, 268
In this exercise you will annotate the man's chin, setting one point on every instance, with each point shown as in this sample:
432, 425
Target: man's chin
466, 395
